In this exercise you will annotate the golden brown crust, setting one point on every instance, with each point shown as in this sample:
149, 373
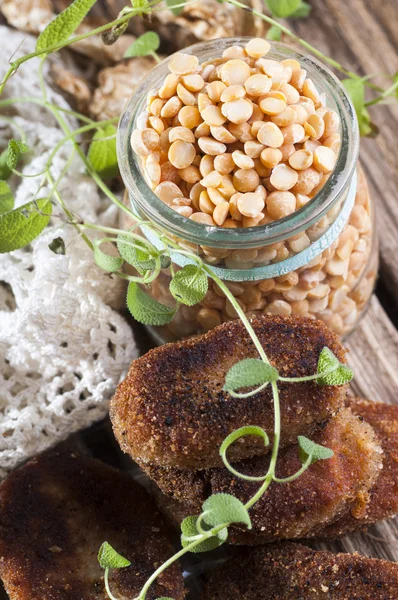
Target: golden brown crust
290, 571
171, 409
325, 492
54, 514
383, 501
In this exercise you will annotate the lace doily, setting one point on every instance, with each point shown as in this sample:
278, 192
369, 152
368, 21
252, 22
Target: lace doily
63, 347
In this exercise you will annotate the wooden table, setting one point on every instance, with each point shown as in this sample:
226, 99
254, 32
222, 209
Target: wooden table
363, 36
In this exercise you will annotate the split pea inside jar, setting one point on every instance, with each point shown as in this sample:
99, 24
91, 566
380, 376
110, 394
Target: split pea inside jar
245, 153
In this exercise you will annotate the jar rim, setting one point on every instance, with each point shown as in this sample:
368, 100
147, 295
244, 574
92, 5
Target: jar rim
145, 200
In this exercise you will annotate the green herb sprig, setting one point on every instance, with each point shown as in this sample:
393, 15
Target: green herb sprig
188, 285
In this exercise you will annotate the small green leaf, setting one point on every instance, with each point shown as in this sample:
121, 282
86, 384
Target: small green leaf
189, 529
5, 171
140, 259
142, 6
22, 225
283, 8
224, 508
340, 374
302, 11
106, 261
14, 151
274, 33
57, 246
61, 28
102, 152
355, 89
108, 558
145, 44
249, 372
308, 448
172, 3
146, 309
6, 198
189, 285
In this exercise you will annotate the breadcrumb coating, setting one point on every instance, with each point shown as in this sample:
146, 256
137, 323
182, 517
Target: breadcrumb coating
290, 571
171, 409
56, 511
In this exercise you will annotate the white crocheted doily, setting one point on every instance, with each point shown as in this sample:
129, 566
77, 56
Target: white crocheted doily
63, 348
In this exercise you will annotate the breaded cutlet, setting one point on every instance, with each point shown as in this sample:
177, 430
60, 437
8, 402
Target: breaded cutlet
56, 511
324, 493
383, 501
290, 571
171, 409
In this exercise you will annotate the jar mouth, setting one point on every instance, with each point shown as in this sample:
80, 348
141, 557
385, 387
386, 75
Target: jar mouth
145, 200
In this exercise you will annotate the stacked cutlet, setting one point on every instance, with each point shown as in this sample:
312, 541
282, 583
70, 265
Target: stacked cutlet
171, 415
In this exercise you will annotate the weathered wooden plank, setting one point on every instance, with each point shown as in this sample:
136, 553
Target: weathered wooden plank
363, 36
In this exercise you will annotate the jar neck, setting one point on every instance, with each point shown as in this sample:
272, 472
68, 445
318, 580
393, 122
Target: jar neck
276, 269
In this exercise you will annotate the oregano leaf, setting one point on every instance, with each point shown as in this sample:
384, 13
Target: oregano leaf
61, 28
145, 44
283, 8
355, 89
189, 285
249, 372
225, 508
14, 151
308, 448
302, 11
102, 152
141, 5
274, 33
146, 309
57, 246
189, 529
139, 258
340, 374
6, 198
172, 3
106, 261
5, 171
108, 558
22, 225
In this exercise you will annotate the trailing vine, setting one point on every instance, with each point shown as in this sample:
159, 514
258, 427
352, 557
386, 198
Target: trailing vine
189, 285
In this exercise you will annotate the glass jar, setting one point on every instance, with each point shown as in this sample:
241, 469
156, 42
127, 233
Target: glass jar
320, 261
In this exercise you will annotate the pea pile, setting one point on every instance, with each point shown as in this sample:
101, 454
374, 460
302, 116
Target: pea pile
237, 142
242, 141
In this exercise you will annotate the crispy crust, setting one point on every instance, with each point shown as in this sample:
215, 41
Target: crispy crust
54, 514
171, 409
290, 571
383, 502
325, 492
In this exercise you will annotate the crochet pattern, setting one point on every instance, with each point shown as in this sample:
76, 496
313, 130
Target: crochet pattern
63, 347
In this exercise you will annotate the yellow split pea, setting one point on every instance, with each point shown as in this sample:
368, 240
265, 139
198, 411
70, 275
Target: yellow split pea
240, 141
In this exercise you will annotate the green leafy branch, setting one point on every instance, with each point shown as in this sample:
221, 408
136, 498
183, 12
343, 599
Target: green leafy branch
187, 286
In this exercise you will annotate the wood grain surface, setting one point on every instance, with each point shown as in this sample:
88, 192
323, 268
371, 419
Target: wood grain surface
363, 36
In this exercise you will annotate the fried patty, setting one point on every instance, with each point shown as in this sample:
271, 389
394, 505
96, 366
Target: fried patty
171, 409
56, 511
383, 501
289, 571
324, 493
